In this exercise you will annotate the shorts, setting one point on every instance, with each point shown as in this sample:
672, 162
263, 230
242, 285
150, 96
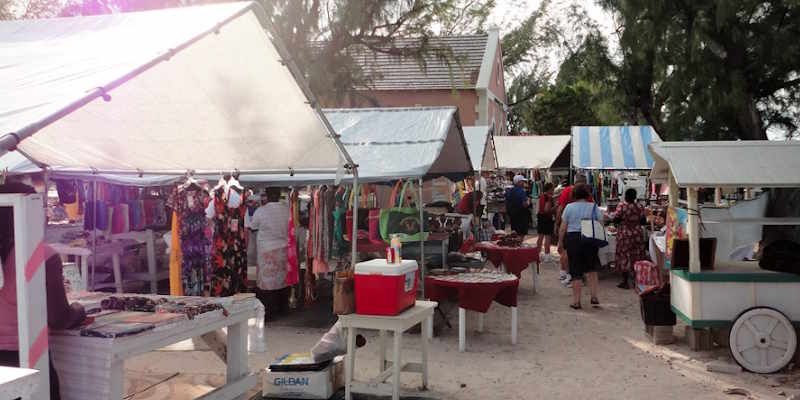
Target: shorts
545, 224
582, 257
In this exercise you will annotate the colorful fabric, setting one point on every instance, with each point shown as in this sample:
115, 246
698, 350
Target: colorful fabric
293, 260
648, 276
229, 274
175, 258
272, 271
193, 244
630, 238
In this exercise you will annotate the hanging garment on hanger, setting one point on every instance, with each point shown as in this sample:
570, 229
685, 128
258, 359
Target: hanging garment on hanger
229, 275
293, 268
175, 258
193, 243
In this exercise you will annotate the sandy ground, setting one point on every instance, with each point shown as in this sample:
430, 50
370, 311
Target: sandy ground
593, 353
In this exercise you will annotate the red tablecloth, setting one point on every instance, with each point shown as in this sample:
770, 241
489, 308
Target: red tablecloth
474, 296
516, 259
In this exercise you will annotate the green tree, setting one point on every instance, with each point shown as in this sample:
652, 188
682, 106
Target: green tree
586, 75
711, 69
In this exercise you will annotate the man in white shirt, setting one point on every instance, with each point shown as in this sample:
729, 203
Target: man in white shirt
271, 220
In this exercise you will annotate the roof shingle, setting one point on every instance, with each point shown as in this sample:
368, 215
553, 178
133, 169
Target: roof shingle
391, 72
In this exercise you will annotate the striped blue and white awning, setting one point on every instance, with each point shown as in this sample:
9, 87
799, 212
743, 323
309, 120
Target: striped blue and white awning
612, 147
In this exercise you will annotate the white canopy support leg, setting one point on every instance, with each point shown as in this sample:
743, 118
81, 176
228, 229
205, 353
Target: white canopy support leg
694, 230
354, 233
421, 238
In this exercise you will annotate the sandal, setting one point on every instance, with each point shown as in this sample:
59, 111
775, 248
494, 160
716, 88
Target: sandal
575, 306
595, 302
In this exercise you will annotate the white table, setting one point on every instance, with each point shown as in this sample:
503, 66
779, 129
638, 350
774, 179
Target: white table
93, 368
17, 382
421, 313
82, 254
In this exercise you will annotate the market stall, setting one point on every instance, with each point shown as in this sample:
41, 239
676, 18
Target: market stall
613, 158
480, 143
757, 299
432, 145
169, 118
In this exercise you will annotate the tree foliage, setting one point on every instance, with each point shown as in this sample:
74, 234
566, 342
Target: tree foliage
711, 69
325, 36
584, 90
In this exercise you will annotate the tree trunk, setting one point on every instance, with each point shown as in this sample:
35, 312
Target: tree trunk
749, 121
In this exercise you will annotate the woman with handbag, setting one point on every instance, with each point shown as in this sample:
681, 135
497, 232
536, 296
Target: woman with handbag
630, 240
582, 254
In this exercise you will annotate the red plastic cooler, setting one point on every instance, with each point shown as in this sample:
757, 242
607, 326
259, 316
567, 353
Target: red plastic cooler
385, 289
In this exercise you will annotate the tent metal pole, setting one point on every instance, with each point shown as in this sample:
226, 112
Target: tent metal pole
94, 233
421, 238
354, 233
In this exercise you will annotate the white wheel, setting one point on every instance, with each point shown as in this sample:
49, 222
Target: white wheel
763, 340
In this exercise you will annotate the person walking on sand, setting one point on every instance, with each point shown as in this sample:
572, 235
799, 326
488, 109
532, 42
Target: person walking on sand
564, 199
544, 220
582, 257
630, 239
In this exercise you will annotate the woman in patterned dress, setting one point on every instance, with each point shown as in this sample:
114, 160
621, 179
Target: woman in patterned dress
630, 240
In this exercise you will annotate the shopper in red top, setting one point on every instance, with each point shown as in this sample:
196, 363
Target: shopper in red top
470, 204
563, 200
544, 220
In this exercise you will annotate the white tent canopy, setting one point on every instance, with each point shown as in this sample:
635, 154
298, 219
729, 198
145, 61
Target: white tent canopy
529, 152
480, 143
612, 147
728, 164
194, 88
394, 143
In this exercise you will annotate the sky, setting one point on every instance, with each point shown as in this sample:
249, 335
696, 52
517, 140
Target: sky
508, 14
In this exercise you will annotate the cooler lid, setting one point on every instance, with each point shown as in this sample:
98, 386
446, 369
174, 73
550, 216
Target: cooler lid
380, 266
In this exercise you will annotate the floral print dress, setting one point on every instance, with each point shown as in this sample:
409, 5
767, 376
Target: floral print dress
630, 239
229, 272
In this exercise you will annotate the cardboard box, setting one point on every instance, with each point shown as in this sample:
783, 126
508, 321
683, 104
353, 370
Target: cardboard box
315, 385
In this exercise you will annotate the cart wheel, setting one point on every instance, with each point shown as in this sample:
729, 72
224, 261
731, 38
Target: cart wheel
762, 340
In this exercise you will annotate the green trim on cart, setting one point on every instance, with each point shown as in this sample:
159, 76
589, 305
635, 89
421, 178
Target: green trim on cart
763, 277
699, 324
710, 323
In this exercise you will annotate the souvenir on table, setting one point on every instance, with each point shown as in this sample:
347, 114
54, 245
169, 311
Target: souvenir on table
117, 329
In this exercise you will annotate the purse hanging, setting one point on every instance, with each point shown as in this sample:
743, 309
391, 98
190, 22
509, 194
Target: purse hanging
593, 233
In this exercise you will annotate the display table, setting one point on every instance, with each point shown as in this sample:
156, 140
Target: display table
421, 313
82, 254
475, 292
513, 259
18, 382
93, 367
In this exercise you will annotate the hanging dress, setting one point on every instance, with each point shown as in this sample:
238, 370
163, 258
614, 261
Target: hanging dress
630, 239
193, 243
230, 245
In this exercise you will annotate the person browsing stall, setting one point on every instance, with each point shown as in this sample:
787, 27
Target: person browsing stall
583, 259
60, 314
564, 199
517, 205
629, 218
271, 220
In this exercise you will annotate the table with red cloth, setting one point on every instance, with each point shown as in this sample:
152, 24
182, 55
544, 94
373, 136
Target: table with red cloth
475, 292
513, 259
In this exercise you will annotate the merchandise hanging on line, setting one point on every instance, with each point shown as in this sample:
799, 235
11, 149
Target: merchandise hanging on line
320, 234
229, 271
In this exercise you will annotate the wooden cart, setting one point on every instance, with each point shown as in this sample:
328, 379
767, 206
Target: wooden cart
761, 308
